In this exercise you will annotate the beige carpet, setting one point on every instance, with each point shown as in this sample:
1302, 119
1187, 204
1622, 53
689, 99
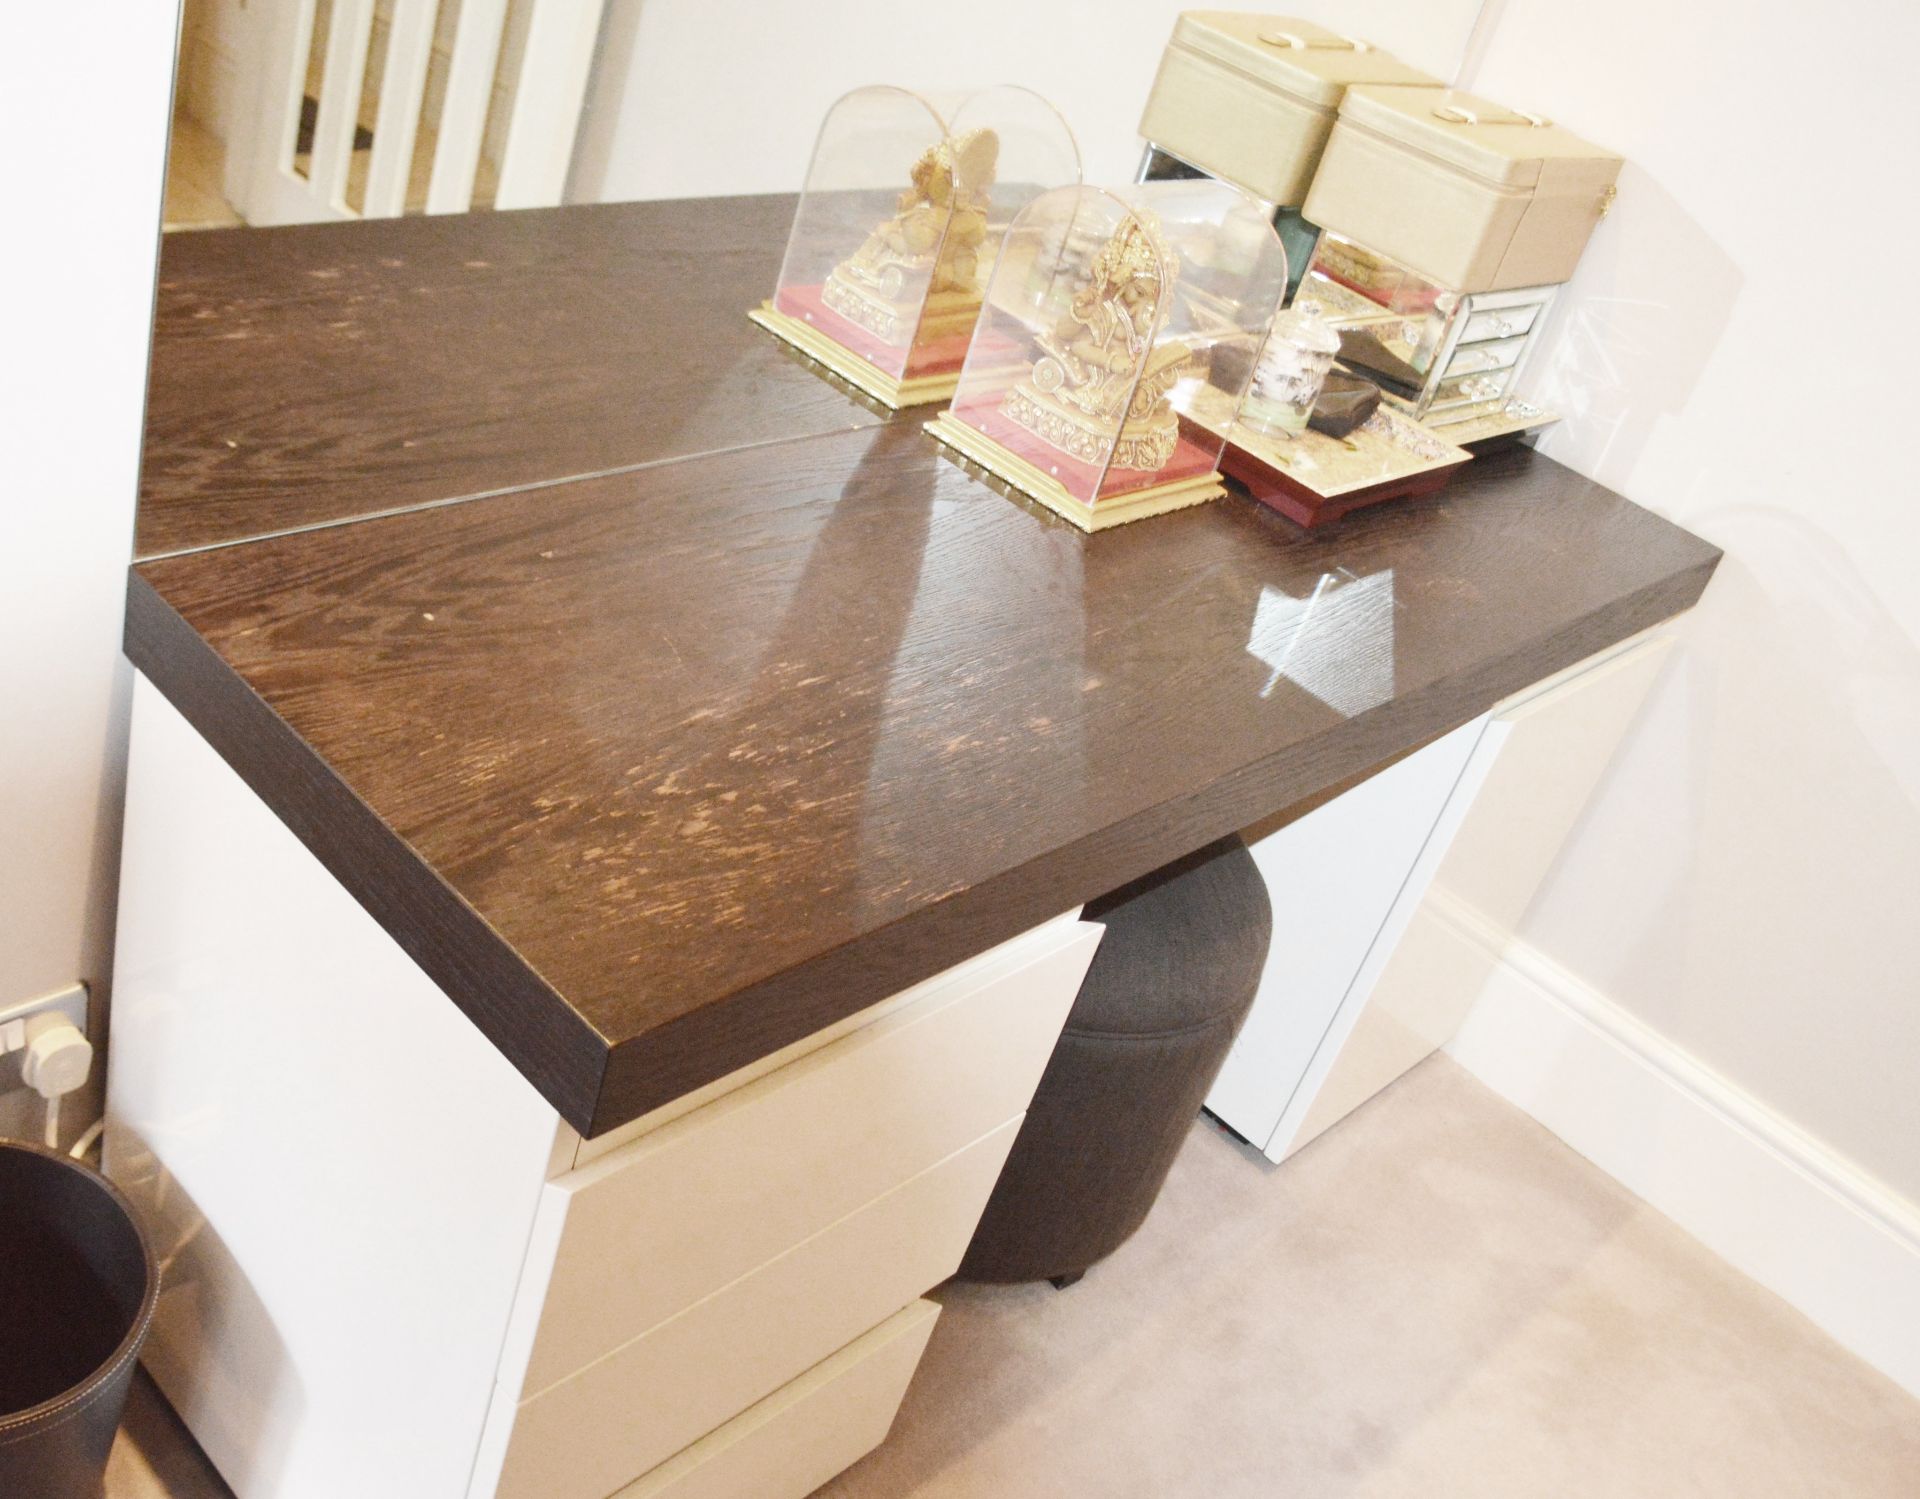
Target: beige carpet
1437, 1299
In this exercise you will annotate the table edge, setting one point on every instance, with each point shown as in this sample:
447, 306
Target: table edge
598, 1084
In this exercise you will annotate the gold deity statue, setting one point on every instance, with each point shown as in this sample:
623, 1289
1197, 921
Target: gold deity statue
1082, 395
937, 232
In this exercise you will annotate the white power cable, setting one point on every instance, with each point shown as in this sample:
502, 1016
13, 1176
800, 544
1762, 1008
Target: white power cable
87, 1140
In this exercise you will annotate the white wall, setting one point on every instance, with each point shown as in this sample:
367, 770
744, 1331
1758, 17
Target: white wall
696, 97
83, 112
1734, 354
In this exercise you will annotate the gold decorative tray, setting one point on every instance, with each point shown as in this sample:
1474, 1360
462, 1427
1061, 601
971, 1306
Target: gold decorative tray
1314, 478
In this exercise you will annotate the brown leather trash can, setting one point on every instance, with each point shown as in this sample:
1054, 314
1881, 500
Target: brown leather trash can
1172, 981
79, 1284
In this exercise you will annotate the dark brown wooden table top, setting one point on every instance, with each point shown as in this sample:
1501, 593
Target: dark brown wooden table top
659, 771
317, 373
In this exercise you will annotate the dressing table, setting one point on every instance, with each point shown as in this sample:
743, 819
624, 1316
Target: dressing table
607, 821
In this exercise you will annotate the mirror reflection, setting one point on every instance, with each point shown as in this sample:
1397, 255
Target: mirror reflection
301, 111
1336, 644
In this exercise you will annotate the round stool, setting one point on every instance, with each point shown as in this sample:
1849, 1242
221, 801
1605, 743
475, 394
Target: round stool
1172, 980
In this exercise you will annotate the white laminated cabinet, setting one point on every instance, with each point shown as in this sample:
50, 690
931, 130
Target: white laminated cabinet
1364, 978
393, 1272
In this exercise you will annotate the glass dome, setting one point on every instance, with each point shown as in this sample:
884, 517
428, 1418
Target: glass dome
1119, 331
906, 201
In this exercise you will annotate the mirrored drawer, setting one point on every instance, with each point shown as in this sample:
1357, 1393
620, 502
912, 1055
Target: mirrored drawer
1474, 359
1499, 322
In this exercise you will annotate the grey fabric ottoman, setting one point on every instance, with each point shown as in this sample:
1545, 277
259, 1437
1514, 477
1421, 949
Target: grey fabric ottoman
1169, 987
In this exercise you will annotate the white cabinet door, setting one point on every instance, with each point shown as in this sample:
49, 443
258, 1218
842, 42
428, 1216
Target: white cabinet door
1335, 877
1365, 977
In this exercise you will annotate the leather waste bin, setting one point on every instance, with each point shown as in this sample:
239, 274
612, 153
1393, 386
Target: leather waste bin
79, 1284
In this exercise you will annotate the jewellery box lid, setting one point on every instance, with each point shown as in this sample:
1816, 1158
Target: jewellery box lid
1488, 140
1294, 56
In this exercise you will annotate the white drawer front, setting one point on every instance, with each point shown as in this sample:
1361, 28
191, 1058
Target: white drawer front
612, 1421
807, 1431
639, 1235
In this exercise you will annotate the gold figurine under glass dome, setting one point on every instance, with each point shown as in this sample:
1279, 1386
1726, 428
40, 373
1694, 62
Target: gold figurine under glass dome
938, 231
1100, 385
1113, 322
882, 285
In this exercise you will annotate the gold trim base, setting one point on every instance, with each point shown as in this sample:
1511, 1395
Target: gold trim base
915, 390
975, 446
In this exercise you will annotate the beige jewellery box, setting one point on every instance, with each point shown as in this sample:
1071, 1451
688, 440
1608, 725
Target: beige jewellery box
1252, 99
1471, 194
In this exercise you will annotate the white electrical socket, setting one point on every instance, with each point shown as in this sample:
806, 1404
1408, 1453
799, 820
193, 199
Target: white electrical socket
70, 1001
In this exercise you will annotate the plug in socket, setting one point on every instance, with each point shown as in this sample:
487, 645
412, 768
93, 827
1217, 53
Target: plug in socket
70, 1002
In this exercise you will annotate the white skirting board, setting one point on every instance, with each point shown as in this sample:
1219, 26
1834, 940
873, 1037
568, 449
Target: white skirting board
1841, 1247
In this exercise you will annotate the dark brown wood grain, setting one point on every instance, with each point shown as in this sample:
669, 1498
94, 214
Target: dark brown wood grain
512, 1006
320, 372
659, 772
